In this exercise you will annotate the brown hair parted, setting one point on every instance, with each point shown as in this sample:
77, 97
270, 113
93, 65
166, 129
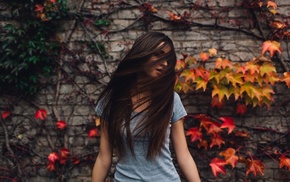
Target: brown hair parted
129, 80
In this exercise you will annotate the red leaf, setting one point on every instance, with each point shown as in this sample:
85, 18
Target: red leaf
62, 160
195, 134
241, 109
52, 157
41, 114
228, 123
39, 7
5, 114
50, 166
61, 125
52, 1
64, 152
93, 133
216, 140
215, 102
217, 166
75, 160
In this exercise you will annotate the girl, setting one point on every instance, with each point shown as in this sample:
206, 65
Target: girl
138, 110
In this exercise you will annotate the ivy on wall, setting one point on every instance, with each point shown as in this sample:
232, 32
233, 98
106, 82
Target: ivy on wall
29, 49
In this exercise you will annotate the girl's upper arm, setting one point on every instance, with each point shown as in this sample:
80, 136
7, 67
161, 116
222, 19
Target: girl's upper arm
178, 138
105, 147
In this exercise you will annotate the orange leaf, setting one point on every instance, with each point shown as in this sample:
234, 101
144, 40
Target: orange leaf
217, 166
195, 134
214, 128
229, 123
174, 16
203, 56
272, 47
220, 63
242, 134
41, 114
286, 78
212, 52
180, 64
278, 25
203, 144
205, 122
252, 67
216, 140
271, 4
250, 77
255, 167
5, 114
284, 162
230, 156
241, 109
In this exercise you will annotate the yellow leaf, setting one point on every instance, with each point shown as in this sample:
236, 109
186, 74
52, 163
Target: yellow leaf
221, 91
235, 78
267, 68
186, 87
190, 60
98, 121
200, 83
212, 52
188, 74
235, 91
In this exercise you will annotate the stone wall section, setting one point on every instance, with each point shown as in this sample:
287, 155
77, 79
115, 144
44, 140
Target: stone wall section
71, 97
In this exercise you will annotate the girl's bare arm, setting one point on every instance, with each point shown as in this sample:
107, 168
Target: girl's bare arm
104, 159
183, 155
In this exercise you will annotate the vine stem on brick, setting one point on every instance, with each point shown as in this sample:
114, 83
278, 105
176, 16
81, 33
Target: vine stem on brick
90, 37
19, 172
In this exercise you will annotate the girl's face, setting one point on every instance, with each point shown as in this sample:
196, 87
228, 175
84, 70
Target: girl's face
155, 70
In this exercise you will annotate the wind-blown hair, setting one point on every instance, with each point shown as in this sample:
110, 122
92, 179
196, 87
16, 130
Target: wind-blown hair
116, 98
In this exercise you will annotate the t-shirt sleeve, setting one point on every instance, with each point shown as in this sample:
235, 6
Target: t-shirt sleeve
178, 109
99, 108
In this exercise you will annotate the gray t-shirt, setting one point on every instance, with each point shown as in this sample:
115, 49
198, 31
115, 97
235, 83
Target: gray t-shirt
130, 169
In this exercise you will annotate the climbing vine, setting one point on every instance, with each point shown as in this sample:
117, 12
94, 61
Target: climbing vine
31, 53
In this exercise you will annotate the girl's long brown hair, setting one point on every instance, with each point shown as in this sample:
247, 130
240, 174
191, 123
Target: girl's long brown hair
116, 98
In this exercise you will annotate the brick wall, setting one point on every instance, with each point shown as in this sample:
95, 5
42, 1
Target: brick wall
73, 90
